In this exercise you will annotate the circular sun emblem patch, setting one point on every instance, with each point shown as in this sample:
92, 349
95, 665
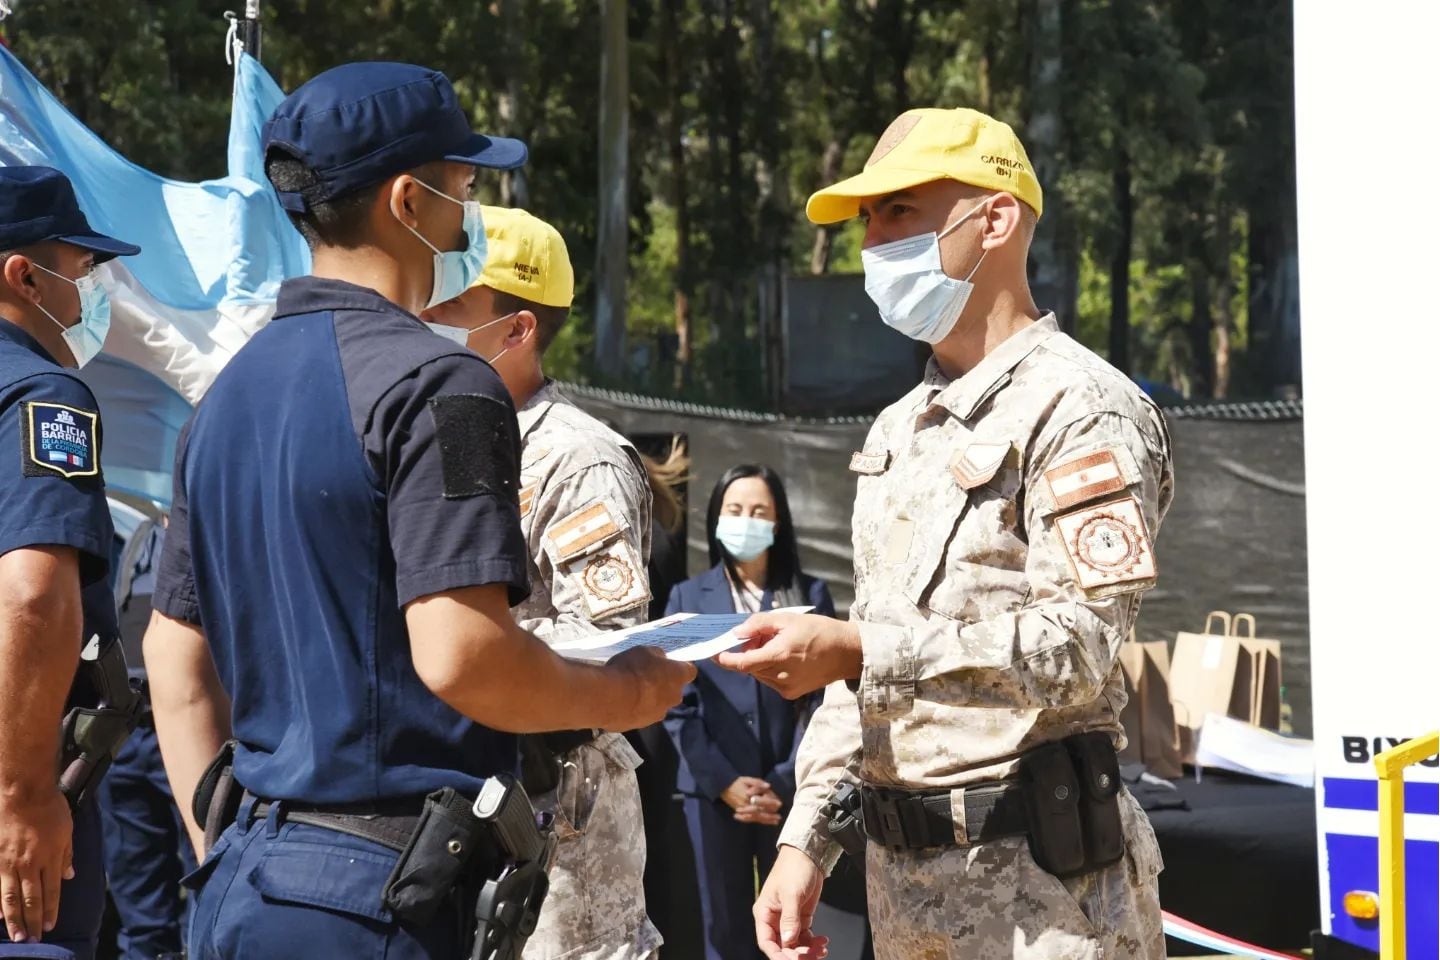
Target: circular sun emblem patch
1108, 544
608, 577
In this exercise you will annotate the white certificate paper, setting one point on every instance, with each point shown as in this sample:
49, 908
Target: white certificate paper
683, 636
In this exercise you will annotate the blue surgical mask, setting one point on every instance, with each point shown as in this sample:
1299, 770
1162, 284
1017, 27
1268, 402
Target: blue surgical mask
909, 285
86, 338
455, 270
745, 538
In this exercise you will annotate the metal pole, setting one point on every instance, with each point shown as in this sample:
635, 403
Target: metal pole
250, 28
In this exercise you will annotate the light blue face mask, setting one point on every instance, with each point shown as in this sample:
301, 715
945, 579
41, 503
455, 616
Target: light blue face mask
86, 338
745, 538
462, 336
455, 270
908, 283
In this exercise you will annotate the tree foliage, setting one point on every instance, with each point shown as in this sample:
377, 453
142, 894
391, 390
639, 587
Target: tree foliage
1167, 128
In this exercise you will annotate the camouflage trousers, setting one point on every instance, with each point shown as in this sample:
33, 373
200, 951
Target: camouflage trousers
991, 902
596, 906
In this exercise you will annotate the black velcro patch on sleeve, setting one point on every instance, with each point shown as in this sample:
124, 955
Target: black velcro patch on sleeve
479, 446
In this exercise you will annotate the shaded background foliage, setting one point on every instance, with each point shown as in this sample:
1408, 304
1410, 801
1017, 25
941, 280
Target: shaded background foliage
1162, 130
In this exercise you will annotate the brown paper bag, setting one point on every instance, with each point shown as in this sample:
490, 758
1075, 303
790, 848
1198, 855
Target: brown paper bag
1148, 718
1264, 671
1209, 674
1224, 673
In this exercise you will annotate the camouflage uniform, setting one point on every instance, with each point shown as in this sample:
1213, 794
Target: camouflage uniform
1002, 533
585, 510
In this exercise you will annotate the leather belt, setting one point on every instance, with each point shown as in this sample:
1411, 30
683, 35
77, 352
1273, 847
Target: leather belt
389, 823
902, 819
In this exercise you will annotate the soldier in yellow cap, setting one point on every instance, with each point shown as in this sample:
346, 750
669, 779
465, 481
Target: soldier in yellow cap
585, 511
1004, 527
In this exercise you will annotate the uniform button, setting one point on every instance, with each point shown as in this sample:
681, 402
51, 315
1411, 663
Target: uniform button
1062, 792
455, 847
1104, 781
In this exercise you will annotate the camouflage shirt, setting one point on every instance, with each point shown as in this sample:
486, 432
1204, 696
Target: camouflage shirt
585, 513
1003, 533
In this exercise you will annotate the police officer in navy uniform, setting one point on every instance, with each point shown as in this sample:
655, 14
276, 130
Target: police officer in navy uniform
345, 545
55, 541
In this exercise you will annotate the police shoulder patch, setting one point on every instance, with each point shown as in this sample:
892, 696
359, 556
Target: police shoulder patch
56, 438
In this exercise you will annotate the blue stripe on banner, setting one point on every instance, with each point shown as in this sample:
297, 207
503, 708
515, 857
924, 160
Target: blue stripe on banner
1345, 794
1355, 865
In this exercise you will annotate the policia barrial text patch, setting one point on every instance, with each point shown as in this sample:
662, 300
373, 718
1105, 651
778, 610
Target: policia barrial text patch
56, 438
479, 448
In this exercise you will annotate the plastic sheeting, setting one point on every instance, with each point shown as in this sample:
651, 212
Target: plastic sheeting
1234, 538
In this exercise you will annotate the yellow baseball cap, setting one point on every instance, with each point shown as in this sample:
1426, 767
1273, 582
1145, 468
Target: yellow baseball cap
934, 144
526, 257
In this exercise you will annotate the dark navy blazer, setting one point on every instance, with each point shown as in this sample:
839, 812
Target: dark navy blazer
729, 724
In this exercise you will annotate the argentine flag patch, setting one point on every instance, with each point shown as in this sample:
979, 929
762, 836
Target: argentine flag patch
56, 438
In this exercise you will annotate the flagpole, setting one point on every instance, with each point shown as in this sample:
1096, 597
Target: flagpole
250, 28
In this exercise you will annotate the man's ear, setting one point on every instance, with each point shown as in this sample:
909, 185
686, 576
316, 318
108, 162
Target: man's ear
1002, 221
524, 327
401, 195
19, 278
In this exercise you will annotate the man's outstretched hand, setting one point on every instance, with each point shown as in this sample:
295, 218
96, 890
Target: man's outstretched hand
786, 908
795, 653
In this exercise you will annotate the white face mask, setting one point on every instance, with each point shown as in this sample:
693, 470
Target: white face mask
907, 282
462, 336
86, 338
455, 270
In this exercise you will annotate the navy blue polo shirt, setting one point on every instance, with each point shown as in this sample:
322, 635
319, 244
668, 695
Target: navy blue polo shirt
52, 490
344, 463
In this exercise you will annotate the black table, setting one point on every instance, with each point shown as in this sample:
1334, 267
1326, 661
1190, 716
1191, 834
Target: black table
1242, 860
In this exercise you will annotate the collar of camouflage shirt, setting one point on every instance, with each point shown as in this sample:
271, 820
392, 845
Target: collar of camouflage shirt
964, 396
536, 407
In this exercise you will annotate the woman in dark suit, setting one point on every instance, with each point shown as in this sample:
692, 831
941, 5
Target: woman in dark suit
736, 737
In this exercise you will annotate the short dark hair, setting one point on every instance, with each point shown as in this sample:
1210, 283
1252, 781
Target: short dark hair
548, 319
340, 222
783, 569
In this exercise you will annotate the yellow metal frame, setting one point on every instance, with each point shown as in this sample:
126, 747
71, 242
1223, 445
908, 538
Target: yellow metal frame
1391, 766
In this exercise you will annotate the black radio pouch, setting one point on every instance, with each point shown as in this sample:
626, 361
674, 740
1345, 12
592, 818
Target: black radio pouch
216, 802
1052, 805
1098, 767
436, 860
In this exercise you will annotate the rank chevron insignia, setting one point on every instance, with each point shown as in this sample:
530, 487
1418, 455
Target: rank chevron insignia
977, 463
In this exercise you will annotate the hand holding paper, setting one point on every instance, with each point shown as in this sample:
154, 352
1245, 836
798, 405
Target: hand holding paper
795, 654
683, 636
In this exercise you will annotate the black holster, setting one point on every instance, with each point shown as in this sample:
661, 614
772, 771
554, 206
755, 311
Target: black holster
216, 801
508, 907
448, 841
845, 820
92, 736
1071, 798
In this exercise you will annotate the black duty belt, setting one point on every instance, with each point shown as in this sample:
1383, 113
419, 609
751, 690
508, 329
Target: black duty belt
898, 818
389, 823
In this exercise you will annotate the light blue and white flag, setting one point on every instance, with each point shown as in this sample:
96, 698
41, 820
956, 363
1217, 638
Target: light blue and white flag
214, 254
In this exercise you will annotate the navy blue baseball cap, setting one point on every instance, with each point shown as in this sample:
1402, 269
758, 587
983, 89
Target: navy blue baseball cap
38, 204
360, 123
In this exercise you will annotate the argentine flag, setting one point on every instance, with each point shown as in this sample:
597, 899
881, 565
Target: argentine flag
214, 254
